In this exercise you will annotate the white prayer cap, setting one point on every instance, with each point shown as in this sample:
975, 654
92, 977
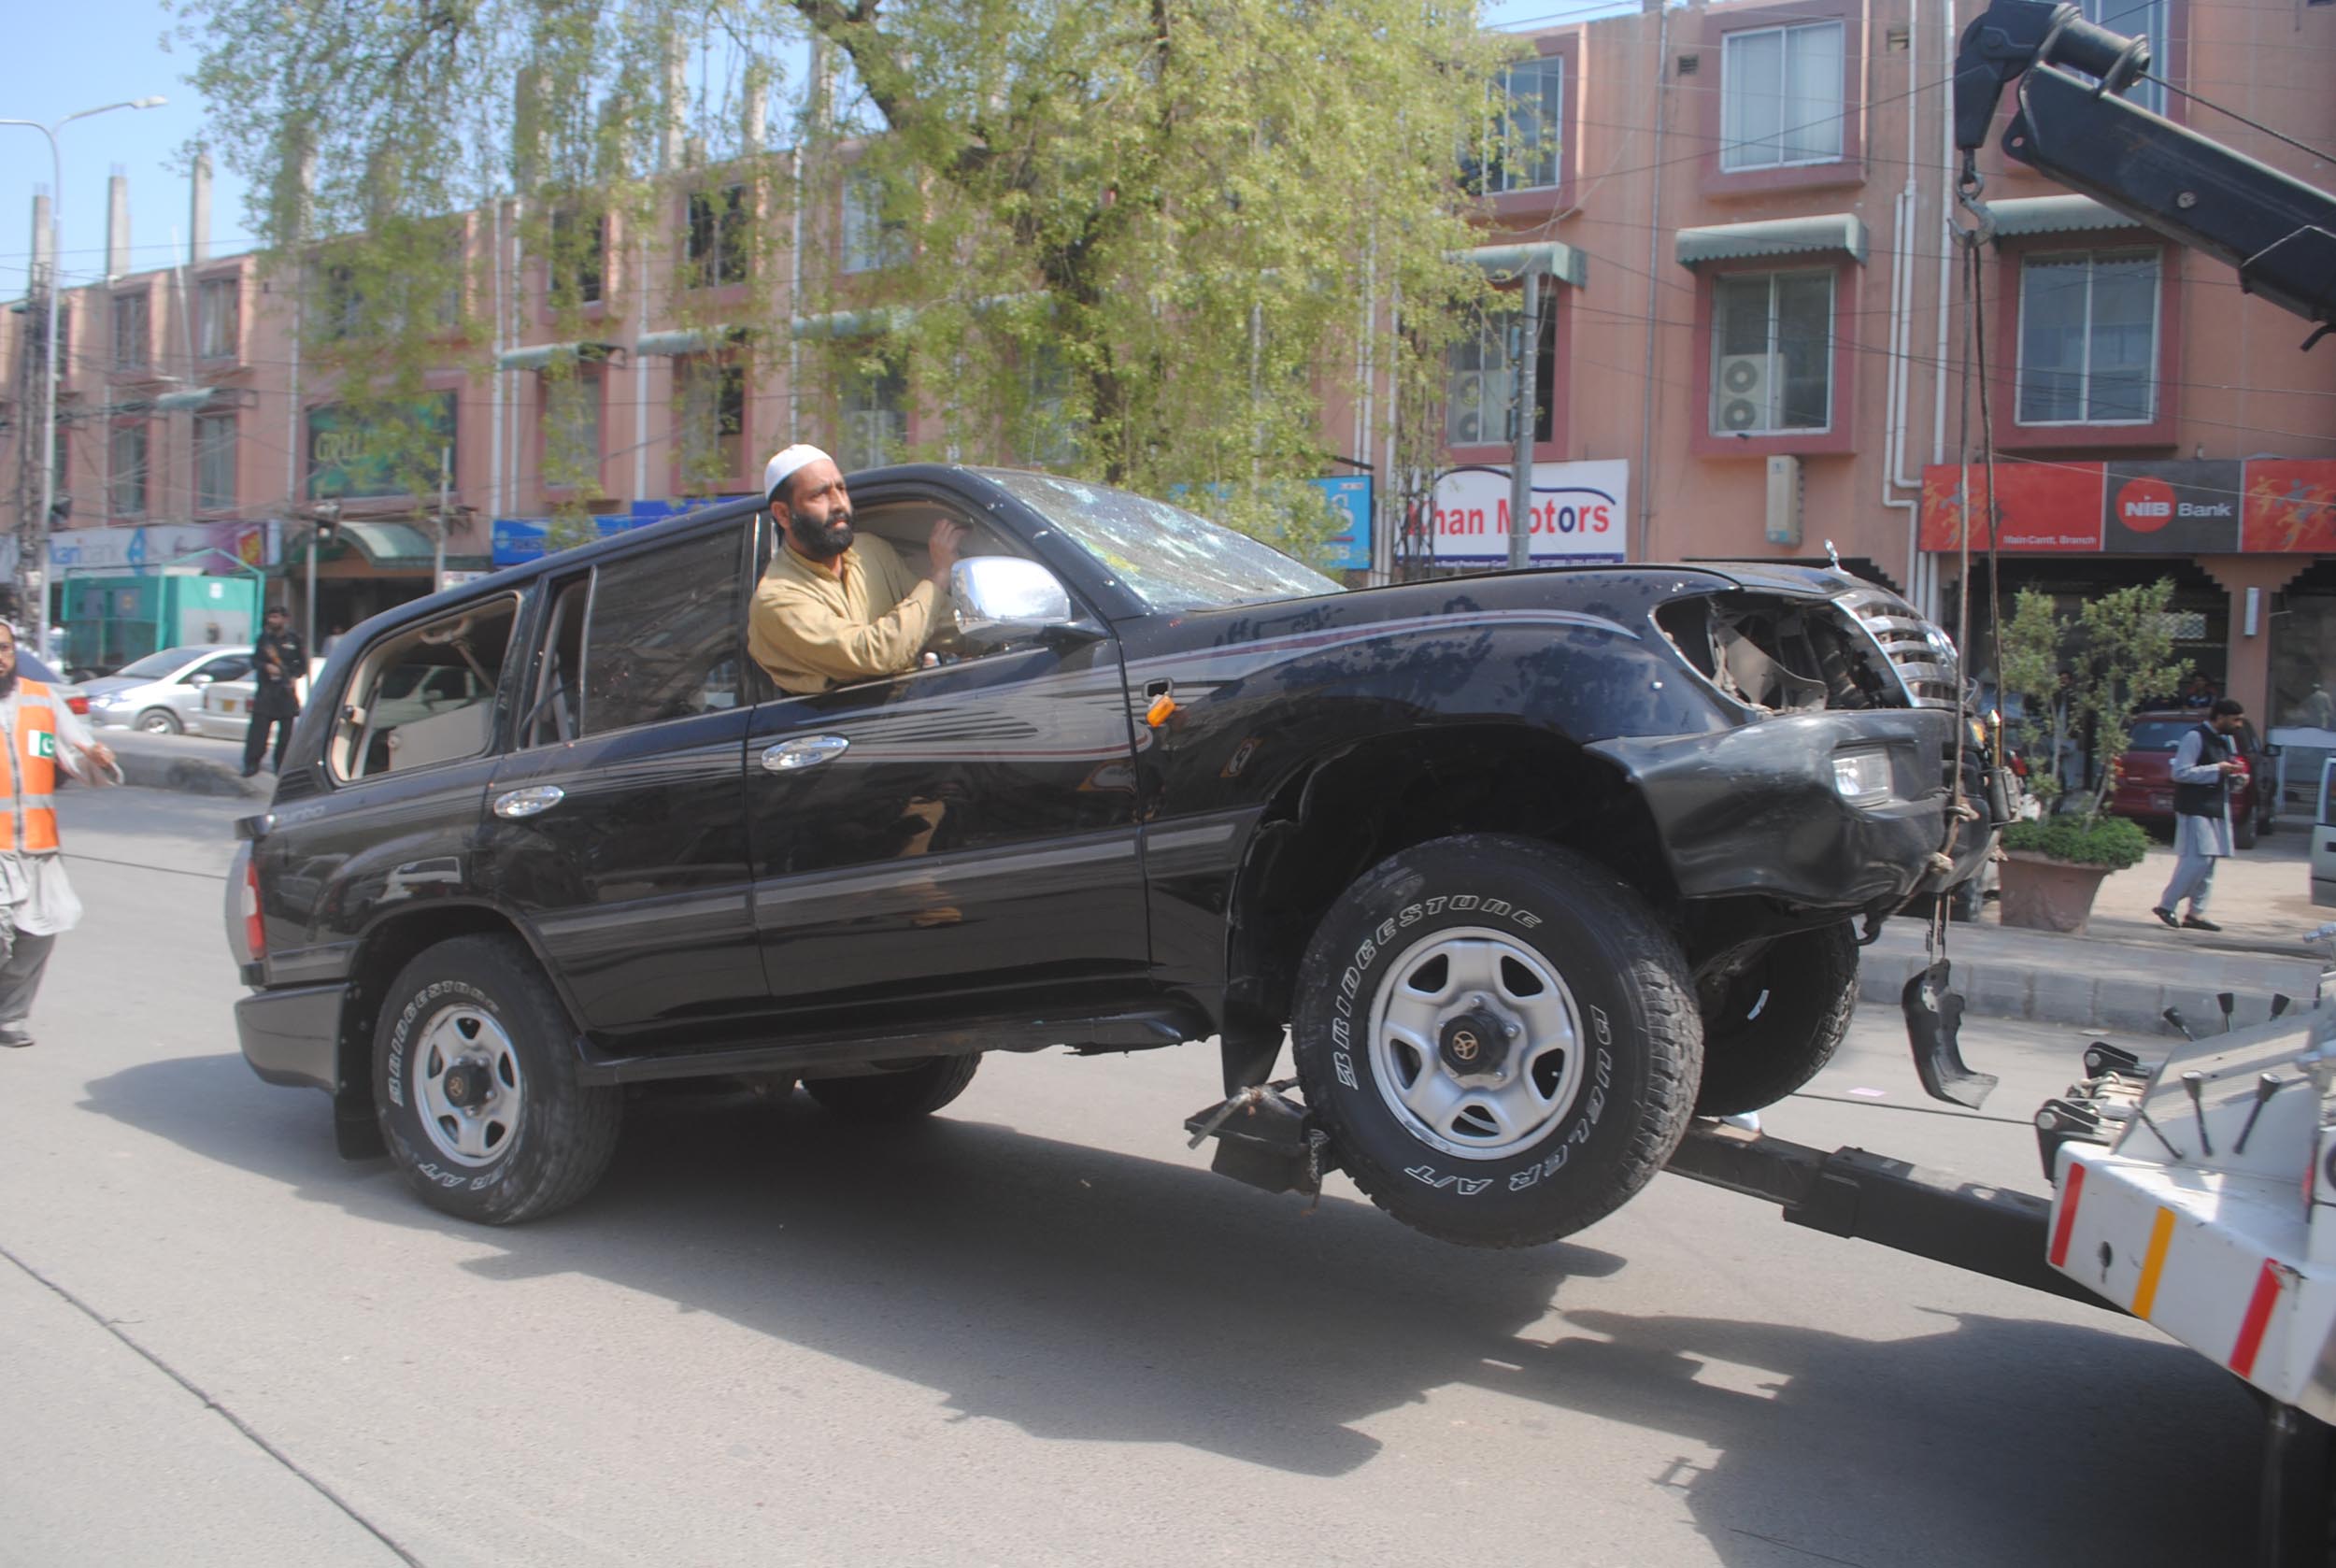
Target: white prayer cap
780, 468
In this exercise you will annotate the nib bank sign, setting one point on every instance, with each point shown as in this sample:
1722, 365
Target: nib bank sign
2124, 508
1580, 512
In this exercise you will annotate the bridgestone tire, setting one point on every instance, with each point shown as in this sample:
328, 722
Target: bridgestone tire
1779, 1022
902, 1096
560, 1133
1562, 933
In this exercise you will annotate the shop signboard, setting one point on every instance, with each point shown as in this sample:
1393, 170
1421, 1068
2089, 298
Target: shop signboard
203, 547
1580, 513
2041, 506
2171, 508
2263, 505
353, 458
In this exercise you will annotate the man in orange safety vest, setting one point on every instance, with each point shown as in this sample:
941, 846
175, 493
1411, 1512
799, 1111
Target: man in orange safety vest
36, 903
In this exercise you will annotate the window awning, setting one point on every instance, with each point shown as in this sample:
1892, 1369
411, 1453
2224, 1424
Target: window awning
192, 397
688, 340
1844, 231
384, 546
536, 356
877, 322
2055, 215
1503, 262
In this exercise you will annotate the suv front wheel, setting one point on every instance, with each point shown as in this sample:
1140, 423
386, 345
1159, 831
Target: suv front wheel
1499, 1038
475, 1082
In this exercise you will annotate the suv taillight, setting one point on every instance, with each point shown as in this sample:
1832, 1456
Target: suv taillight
254, 929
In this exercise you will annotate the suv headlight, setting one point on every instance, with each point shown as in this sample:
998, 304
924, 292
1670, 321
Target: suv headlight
1862, 776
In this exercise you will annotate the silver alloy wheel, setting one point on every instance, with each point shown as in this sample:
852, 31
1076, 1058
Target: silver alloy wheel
1475, 1043
471, 1120
159, 722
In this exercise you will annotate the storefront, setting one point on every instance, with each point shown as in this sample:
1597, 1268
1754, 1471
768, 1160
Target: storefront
2250, 548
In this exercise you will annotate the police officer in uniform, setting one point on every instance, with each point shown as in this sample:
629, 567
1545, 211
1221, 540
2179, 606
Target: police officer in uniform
277, 661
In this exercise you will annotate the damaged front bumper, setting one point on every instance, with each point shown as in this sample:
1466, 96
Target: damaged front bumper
1836, 810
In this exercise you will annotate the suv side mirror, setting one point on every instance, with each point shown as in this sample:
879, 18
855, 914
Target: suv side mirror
999, 599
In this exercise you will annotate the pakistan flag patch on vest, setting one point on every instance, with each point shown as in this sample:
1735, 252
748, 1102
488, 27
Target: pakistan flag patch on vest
40, 743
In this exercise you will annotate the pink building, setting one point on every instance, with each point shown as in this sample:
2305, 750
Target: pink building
1753, 338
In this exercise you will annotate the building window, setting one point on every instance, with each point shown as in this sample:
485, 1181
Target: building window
717, 236
132, 336
871, 240
1530, 130
2137, 19
343, 310
713, 398
1480, 388
1772, 352
2088, 338
128, 498
214, 461
579, 257
1780, 97
572, 407
875, 415
219, 312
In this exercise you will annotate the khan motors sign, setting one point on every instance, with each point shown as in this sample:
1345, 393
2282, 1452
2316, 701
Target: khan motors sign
1580, 512
2120, 507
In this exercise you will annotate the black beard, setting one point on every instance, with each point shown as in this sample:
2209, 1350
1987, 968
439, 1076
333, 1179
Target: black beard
8, 683
821, 541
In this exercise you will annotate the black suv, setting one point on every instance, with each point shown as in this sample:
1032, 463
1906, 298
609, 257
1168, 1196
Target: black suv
1530, 867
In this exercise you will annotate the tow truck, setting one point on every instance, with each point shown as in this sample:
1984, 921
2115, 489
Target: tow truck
2197, 1192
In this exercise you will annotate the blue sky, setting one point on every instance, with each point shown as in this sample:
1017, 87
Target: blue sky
75, 56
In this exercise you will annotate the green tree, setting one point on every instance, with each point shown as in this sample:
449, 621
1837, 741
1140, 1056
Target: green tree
2118, 652
1141, 240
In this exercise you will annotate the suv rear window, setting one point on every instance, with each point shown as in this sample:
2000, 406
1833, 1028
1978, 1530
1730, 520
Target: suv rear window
425, 695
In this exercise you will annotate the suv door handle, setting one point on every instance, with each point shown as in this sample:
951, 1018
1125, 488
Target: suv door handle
788, 756
531, 802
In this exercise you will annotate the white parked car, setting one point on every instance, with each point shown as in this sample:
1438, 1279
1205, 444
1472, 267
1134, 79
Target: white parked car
162, 692
2324, 838
414, 692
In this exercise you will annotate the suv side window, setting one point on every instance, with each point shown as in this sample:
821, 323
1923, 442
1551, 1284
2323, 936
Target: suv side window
663, 639
425, 696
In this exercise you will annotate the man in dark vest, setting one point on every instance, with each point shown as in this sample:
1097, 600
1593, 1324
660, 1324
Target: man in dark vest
2204, 764
277, 661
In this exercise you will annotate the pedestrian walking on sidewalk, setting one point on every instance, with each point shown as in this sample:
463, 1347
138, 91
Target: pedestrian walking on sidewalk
36, 903
279, 660
2204, 764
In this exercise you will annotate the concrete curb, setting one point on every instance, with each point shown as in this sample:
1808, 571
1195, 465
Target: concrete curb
2083, 981
184, 763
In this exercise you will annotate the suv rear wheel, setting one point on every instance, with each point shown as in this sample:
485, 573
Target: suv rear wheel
475, 1083
1499, 1038
902, 1096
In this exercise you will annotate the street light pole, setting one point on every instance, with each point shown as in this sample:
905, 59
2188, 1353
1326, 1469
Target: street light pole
50, 369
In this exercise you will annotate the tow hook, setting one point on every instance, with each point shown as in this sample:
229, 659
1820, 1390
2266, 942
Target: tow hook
1264, 1138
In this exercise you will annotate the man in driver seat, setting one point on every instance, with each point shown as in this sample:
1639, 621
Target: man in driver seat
834, 607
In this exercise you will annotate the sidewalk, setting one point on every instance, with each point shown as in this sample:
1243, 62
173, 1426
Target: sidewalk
2128, 968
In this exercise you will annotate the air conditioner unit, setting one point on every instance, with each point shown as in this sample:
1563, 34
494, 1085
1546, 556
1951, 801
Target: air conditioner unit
1742, 392
1468, 430
1783, 501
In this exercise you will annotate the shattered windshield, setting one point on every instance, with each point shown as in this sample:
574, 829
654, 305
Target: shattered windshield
1171, 558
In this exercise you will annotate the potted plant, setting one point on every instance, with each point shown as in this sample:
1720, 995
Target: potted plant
2092, 670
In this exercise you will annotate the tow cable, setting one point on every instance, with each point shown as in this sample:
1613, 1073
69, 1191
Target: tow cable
1933, 1007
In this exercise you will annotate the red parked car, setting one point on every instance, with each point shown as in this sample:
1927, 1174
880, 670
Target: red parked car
2145, 788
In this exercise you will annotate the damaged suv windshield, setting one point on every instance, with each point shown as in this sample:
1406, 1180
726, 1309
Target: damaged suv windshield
1171, 558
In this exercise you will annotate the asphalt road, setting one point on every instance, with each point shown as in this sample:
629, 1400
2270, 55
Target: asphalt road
1036, 1331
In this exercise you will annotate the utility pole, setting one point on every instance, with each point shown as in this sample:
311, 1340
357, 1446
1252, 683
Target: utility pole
1527, 363
50, 370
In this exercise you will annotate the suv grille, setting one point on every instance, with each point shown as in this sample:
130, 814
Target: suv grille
1921, 655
